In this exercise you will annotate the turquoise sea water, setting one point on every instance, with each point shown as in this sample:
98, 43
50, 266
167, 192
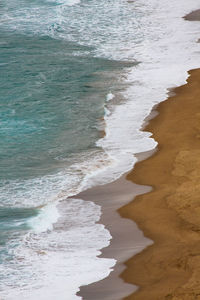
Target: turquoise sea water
51, 103
54, 76
51, 108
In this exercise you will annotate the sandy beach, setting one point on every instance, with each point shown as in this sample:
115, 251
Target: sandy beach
193, 16
111, 197
164, 189
170, 213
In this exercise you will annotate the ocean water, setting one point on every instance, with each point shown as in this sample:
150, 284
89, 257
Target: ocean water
77, 79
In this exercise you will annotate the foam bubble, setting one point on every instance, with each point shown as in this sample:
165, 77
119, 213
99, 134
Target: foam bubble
48, 215
109, 97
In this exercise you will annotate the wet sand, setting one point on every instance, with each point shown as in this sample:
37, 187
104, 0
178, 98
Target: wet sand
127, 239
193, 16
169, 214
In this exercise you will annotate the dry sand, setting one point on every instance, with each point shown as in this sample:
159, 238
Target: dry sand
169, 214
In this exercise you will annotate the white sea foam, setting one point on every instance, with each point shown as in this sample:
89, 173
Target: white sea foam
65, 2
168, 50
53, 264
109, 96
44, 221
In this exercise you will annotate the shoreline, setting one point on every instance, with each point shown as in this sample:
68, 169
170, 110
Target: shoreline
111, 197
169, 214
136, 273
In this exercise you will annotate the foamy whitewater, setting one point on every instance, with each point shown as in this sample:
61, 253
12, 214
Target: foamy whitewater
135, 51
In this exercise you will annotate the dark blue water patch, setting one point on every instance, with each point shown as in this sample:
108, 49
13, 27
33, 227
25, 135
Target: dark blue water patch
15, 218
50, 102
13, 224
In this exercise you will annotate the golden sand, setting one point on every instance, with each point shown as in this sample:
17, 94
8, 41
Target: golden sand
170, 213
